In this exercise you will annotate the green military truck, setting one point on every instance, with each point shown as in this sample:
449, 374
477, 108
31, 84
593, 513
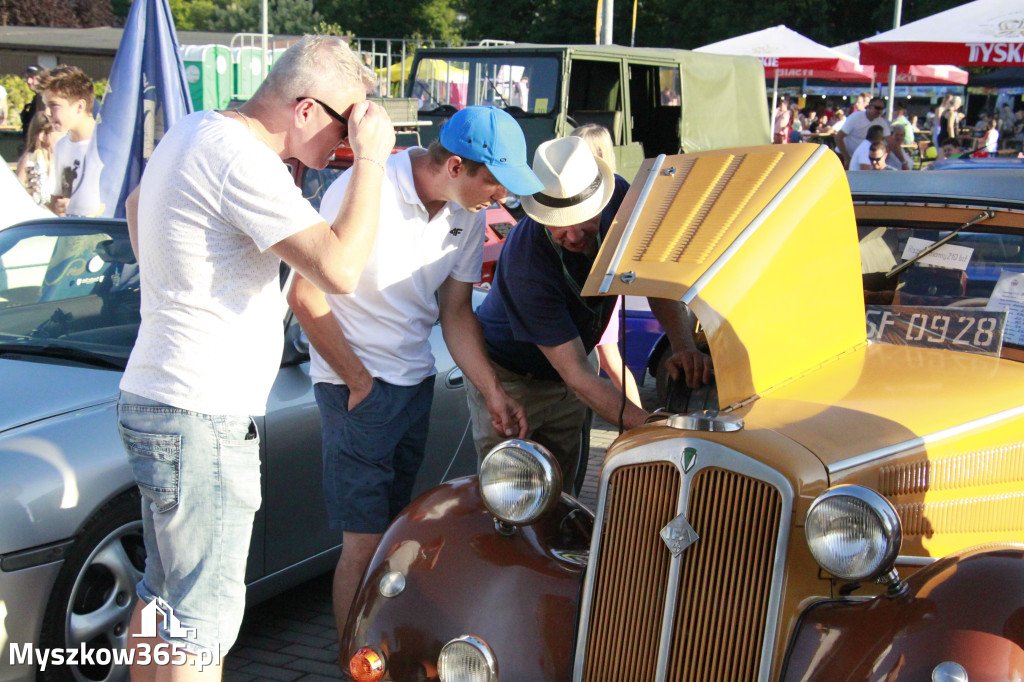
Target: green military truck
652, 100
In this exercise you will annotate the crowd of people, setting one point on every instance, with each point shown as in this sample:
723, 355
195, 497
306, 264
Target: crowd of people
943, 133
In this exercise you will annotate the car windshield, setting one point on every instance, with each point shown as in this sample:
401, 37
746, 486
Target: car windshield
975, 269
69, 290
510, 81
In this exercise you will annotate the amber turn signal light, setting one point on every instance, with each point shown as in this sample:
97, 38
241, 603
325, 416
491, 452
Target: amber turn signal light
366, 665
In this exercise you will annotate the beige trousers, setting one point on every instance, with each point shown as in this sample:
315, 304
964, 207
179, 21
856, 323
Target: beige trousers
555, 418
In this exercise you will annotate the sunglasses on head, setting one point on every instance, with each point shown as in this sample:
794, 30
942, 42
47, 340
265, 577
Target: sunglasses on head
330, 112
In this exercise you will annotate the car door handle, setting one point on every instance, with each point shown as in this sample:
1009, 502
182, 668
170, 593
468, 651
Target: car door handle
454, 379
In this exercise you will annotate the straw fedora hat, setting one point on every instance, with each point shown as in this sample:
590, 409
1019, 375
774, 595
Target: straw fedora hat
577, 184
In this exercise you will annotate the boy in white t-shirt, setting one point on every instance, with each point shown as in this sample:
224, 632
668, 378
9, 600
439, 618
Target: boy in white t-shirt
372, 367
67, 95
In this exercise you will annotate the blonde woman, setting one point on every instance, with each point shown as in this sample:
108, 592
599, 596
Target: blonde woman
599, 140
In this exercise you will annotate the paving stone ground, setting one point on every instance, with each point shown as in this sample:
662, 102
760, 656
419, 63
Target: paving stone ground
292, 636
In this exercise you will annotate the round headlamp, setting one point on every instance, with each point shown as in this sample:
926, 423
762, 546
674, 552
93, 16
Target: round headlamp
467, 659
853, 532
520, 482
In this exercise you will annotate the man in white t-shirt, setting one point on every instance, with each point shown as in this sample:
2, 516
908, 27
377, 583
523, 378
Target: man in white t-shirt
372, 365
215, 214
855, 129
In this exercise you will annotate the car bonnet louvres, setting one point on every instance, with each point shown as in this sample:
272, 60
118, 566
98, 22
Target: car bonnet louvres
707, 613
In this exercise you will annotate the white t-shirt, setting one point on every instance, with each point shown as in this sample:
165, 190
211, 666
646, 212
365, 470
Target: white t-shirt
861, 155
213, 200
388, 318
856, 129
77, 168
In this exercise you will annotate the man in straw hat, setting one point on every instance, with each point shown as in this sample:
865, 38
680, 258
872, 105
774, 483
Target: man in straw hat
539, 330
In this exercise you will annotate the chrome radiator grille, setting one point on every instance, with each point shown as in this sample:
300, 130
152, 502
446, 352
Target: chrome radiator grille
720, 598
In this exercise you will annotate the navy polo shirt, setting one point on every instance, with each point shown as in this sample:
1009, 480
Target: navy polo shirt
534, 298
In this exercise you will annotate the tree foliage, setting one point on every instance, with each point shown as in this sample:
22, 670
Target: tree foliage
659, 23
436, 19
72, 13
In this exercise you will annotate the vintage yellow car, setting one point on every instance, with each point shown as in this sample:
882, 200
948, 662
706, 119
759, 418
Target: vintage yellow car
853, 511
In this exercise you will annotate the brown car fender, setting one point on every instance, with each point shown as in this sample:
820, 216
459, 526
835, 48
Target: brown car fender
519, 591
966, 609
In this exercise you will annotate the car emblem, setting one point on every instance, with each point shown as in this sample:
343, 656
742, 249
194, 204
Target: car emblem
689, 459
678, 535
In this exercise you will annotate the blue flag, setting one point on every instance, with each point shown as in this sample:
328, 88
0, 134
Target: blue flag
147, 93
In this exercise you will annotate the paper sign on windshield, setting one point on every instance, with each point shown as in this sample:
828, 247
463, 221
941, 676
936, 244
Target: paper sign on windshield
972, 330
1008, 296
946, 256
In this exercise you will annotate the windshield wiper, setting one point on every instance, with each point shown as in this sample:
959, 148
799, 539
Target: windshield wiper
63, 353
987, 214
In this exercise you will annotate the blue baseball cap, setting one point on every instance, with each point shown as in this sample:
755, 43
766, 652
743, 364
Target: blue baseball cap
492, 137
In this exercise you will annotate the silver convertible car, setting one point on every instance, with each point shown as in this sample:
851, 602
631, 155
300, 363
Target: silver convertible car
70, 537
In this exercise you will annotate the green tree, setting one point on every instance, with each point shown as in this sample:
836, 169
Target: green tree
192, 15
428, 19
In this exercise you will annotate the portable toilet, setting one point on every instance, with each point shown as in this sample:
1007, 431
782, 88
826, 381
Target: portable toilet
208, 74
247, 71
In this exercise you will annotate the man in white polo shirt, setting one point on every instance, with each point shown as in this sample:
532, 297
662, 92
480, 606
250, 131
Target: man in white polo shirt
371, 362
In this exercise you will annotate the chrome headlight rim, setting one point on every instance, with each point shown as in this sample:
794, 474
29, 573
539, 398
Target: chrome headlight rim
549, 473
883, 513
479, 646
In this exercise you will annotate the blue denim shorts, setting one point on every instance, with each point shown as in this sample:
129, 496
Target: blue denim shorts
373, 453
199, 476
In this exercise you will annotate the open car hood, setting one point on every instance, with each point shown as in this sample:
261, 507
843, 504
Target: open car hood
760, 242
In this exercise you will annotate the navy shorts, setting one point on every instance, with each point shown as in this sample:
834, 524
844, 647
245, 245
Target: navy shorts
372, 454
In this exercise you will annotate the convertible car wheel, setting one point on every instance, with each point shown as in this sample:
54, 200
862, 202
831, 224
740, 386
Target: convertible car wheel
93, 597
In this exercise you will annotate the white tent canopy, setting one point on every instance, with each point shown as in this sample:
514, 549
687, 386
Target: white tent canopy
980, 33
788, 54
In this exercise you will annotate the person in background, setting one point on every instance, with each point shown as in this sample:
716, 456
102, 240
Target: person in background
33, 74
68, 100
949, 121
950, 149
855, 129
782, 122
859, 160
36, 165
599, 140
877, 153
989, 141
859, 104
896, 156
901, 121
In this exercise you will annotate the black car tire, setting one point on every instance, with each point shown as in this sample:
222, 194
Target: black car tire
94, 594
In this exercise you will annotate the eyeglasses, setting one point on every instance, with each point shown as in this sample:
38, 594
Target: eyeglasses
330, 112
877, 159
